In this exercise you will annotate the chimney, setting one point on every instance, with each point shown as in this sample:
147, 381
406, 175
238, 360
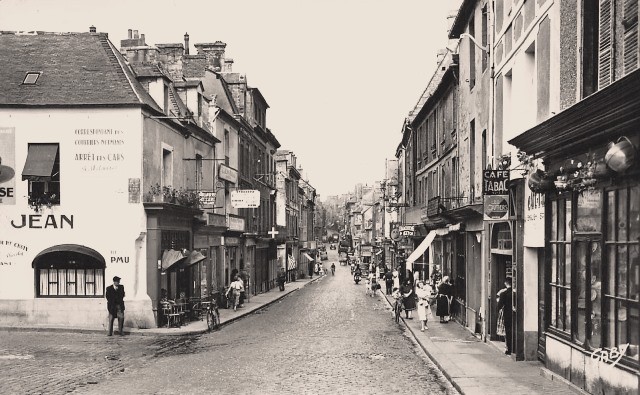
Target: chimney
186, 43
92, 29
214, 53
129, 34
135, 34
228, 65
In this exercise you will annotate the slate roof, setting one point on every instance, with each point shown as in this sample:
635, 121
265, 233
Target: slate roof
78, 69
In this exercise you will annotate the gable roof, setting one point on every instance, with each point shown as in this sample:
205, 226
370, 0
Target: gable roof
77, 69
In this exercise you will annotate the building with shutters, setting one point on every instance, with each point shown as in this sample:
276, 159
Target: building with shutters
582, 160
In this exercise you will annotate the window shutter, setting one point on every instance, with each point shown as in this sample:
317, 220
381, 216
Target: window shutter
605, 49
630, 22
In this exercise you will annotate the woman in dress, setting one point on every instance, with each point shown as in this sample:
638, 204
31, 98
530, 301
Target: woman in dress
445, 294
424, 310
396, 279
409, 299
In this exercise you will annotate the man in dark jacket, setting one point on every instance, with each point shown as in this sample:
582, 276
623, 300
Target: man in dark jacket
505, 302
115, 304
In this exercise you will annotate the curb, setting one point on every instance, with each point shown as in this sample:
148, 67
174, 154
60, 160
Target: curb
431, 357
141, 332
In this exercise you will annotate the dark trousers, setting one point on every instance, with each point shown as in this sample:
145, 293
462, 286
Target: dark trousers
120, 316
389, 286
508, 335
281, 285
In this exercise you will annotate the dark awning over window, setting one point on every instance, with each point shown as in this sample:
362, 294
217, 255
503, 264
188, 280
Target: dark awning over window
69, 255
40, 162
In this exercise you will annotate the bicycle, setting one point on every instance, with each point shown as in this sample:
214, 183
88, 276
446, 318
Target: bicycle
213, 316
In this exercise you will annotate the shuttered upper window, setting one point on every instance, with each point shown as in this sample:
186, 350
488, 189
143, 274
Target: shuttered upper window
618, 40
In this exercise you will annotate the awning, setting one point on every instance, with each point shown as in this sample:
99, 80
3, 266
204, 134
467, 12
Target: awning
170, 258
65, 254
40, 161
194, 257
417, 253
308, 256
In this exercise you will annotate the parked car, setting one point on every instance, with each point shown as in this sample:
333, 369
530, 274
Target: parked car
332, 246
323, 255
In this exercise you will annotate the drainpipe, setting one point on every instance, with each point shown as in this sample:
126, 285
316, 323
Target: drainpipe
486, 246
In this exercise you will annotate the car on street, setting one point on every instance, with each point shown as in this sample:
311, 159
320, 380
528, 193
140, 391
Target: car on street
323, 255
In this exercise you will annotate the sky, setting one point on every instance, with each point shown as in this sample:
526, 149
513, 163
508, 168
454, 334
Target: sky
340, 76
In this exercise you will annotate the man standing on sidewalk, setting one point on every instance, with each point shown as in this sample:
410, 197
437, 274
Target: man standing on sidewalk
115, 305
505, 302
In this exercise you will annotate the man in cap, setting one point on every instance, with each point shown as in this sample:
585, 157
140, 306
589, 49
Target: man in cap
115, 304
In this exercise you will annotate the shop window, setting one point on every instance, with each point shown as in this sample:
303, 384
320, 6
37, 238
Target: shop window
42, 171
560, 281
622, 274
69, 270
167, 167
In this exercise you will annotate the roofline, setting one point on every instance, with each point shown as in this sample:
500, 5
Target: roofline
462, 17
261, 96
444, 83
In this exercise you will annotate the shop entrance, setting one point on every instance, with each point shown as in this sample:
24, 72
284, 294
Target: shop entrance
501, 268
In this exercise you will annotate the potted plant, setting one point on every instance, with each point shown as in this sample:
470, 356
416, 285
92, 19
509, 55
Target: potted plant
155, 194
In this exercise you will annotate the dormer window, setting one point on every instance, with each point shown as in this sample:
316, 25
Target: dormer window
31, 78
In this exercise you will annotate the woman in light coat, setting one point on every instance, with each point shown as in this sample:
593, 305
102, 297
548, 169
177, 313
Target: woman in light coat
424, 310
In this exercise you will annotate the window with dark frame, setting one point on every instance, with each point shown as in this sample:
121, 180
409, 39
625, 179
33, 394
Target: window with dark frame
472, 54
70, 282
44, 189
594, 263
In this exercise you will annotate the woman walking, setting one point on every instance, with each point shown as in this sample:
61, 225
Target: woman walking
445, 296
409, 299
424, 310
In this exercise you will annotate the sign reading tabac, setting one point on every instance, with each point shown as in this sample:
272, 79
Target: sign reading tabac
245, 198
495, 182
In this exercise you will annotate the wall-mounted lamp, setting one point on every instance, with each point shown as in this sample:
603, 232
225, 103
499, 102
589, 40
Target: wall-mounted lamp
620, 155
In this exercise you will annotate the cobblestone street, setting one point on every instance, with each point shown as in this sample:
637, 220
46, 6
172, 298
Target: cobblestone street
328, 337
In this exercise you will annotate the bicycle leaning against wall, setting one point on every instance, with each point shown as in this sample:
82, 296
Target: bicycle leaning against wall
212, 314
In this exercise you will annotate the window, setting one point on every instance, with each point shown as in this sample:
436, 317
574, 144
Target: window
70, 282
42, 170
167, 167
199, 176
617, 40
484, 38
621, 277
589, 47
166, 99
600, 307
69, 271
472, 157
560, 281
472, 54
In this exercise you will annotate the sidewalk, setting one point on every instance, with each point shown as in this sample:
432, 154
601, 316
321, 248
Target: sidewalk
476, 367
227, 316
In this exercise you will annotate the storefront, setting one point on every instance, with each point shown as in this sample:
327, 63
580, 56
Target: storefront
591, 281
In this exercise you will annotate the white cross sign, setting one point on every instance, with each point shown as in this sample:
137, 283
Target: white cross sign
273, 232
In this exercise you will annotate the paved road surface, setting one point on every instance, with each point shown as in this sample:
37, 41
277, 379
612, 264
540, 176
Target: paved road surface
328, 337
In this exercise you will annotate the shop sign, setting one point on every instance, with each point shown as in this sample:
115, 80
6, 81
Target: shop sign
7, 165
235, 223
231, 241
496, 182
407, 230
433, 207
228, 174
395, 235
245, 198
207, 198
496, 207
533, 218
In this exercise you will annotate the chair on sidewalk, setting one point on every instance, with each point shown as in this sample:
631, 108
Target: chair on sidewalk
169, 312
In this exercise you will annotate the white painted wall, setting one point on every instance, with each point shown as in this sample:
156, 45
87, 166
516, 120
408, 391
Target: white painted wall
94, 191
